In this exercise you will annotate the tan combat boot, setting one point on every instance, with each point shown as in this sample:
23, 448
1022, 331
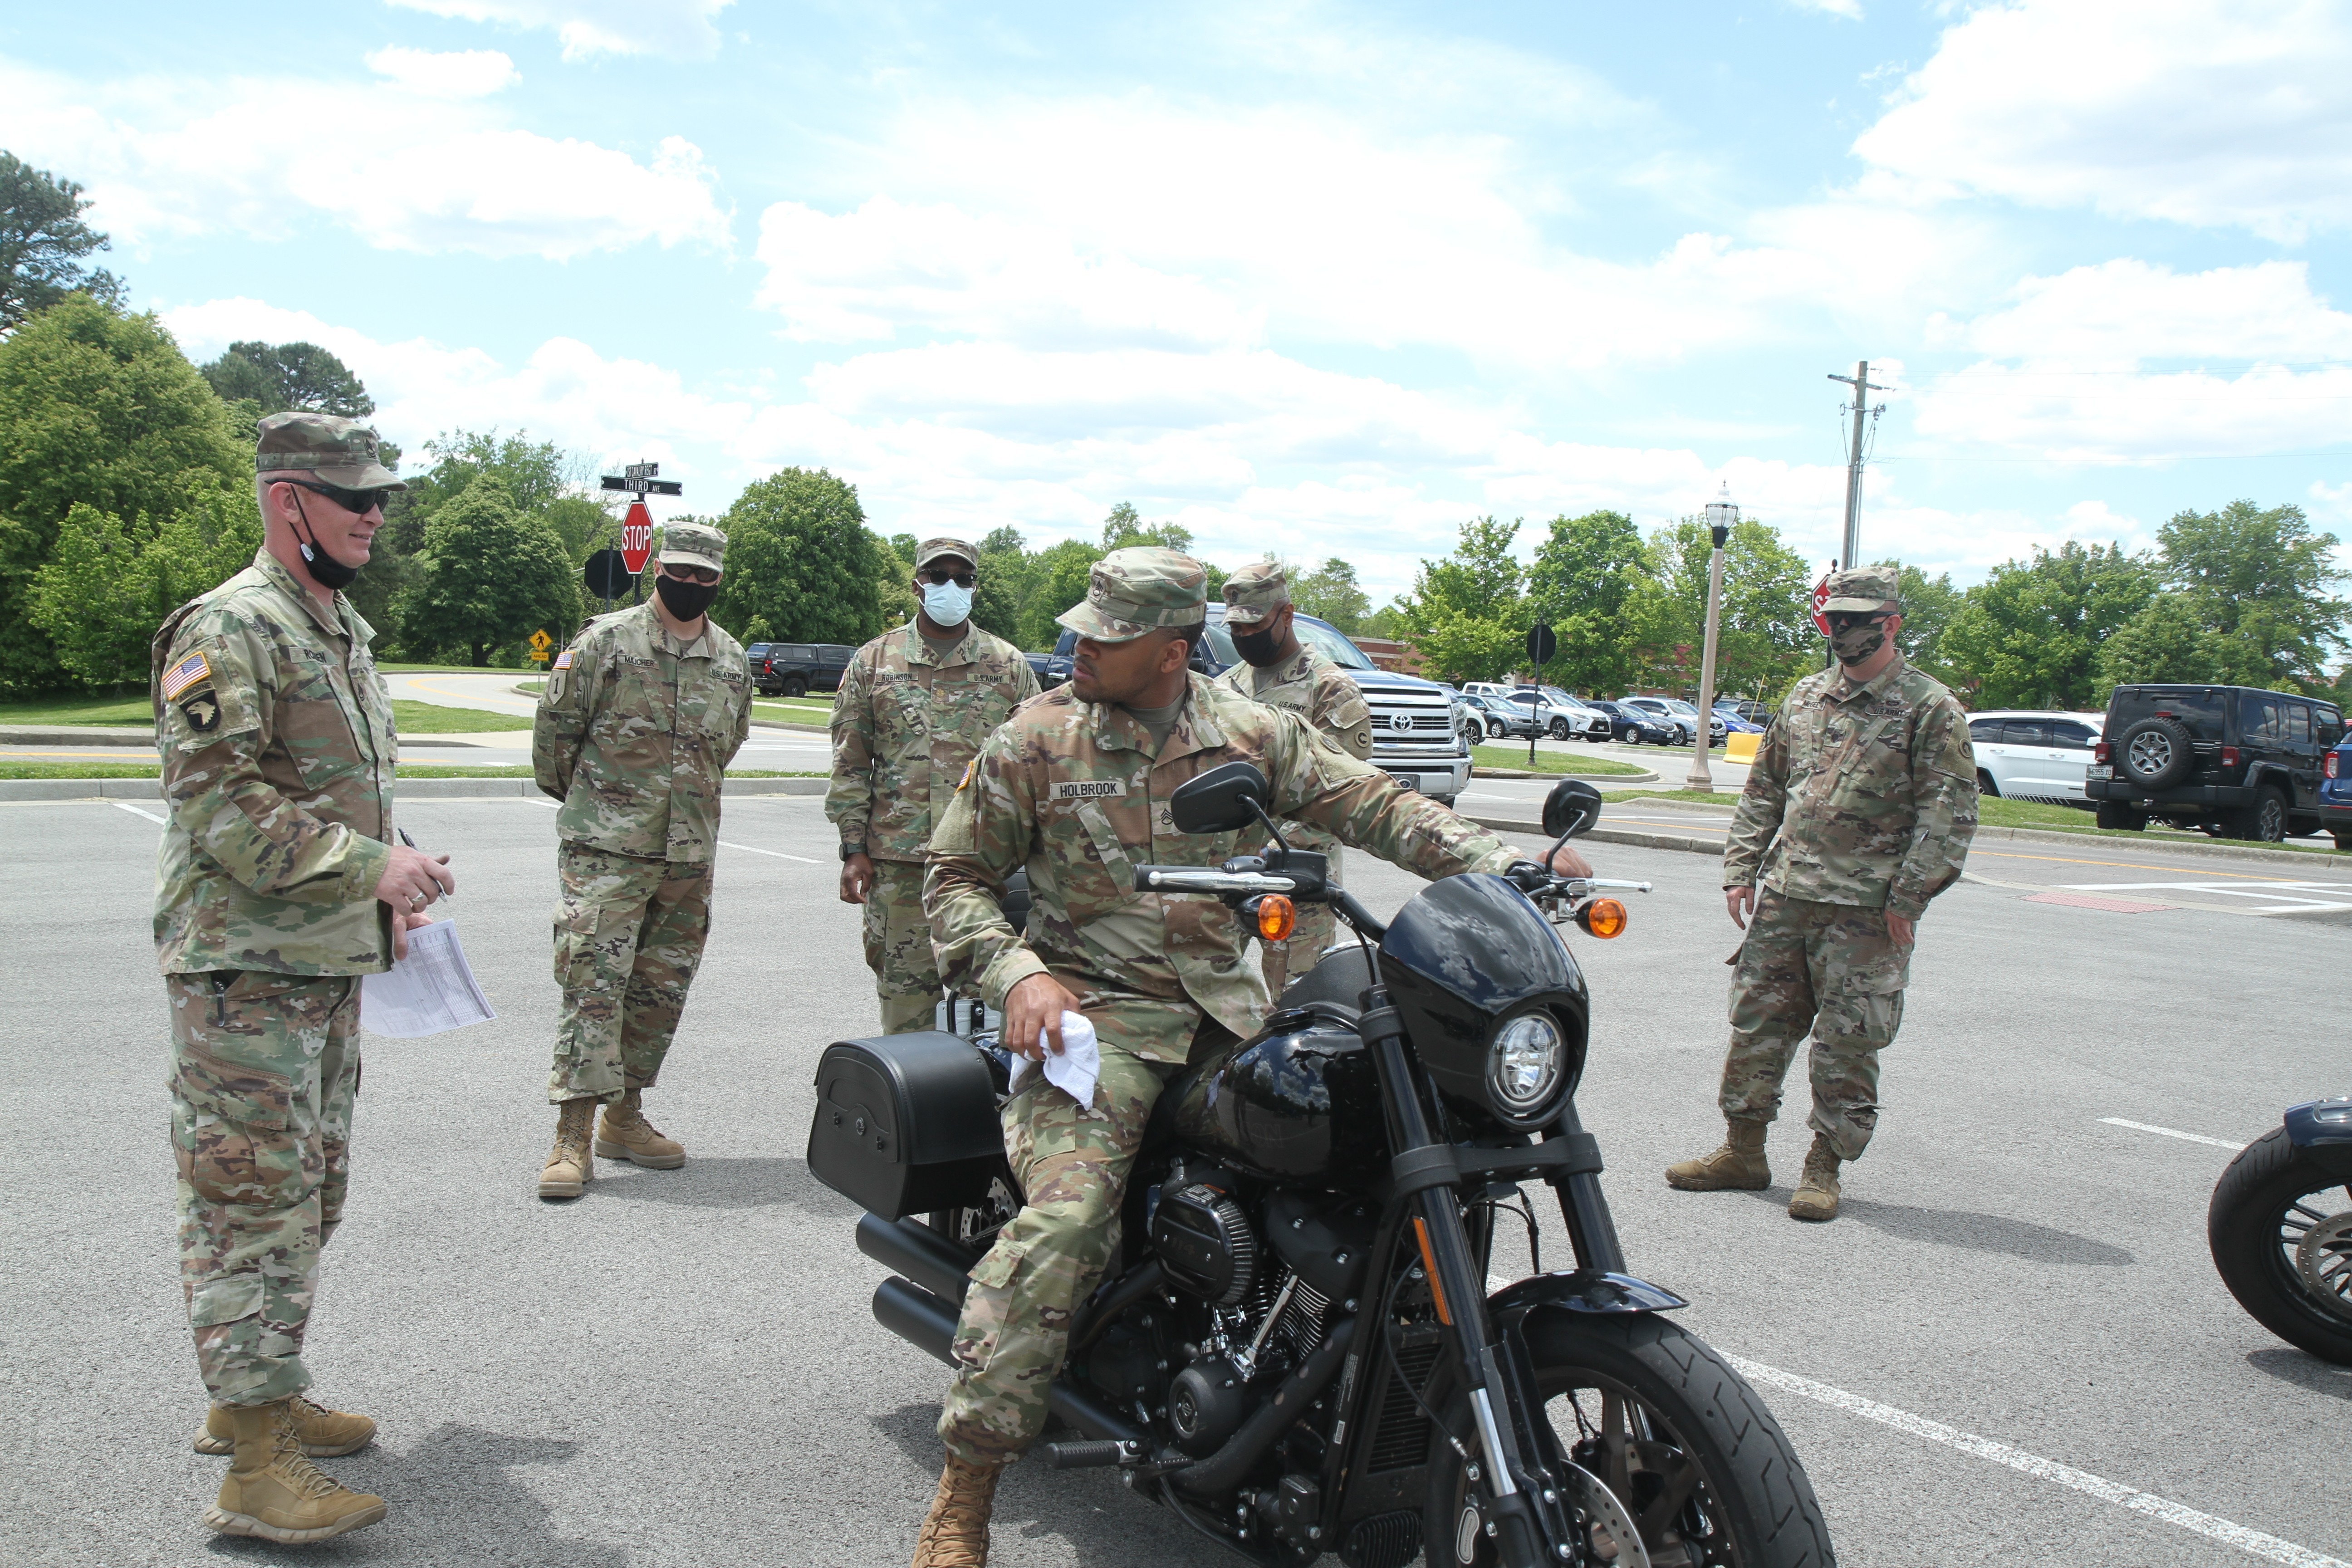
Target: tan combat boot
274, 1491
325, 1434
569, 1169
1816, 1197
627, 1135
1739, 1164
955, 1532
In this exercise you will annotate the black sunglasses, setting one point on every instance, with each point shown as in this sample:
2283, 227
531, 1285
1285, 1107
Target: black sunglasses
689, 573
1842, 620
940, 577
359, 503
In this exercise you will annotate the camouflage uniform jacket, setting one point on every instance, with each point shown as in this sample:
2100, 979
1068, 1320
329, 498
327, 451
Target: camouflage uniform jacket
277, 750
634, 732
1065, 788
906, 724
1859, 794
1319, 691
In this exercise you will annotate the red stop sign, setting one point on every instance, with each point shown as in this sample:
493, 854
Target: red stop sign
1821, 597
637, 538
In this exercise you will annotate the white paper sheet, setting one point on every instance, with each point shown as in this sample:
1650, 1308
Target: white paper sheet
1074, 1071
430, 992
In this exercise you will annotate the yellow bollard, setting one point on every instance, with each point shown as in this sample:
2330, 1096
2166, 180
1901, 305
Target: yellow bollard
1740, 748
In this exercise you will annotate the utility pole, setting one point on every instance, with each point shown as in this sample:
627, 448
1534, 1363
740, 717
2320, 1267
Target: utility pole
1862, 387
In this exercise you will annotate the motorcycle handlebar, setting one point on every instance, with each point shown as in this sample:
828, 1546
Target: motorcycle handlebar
1198, 879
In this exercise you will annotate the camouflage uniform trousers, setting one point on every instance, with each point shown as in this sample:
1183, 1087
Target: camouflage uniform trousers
1072, 1163
1829, 968
264, 1071
899, 947
628, 935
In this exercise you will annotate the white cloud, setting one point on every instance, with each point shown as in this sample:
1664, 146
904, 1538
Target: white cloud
470, 73
2103, 419
431, 175
2208, 113
678, 28
2123, 311
1850, 9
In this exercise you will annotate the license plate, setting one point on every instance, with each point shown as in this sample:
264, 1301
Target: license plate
1408, 781
2103, 773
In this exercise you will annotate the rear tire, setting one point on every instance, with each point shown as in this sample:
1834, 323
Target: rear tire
1751, 1504
2264, 822
2254, 1225
2344, 841
1985, 785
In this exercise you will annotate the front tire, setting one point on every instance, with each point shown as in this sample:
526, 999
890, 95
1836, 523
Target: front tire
795, 687
1558, 730
2283, 1245
2264, 822
1985, 786
1641, 1403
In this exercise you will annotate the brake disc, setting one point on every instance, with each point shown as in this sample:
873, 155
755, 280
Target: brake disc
1614, 1540
2323, 1262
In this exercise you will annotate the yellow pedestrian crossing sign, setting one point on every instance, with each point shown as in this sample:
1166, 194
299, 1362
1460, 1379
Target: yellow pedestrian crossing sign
540, 643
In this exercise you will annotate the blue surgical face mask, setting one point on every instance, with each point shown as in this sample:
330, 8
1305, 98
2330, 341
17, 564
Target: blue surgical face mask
946, 602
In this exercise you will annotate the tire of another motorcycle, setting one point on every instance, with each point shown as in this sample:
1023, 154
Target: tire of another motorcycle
1751, 1503
2261, 1224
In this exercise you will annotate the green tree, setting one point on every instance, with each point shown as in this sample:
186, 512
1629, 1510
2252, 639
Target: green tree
893, 571
2169, 641
1060, 574
258, 378
800, 556
2029, 636
1125, 529
2263, 585
488, 576
1928, 605
43, 243
1588, 571
1466, 613
1004, 586
1332, 592
1764, 632
103, 410
109, 585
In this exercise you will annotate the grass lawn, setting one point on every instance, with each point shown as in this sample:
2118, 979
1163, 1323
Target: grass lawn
802, 713
1994, 812
132, 713
432, 719
1551, 761
79, 711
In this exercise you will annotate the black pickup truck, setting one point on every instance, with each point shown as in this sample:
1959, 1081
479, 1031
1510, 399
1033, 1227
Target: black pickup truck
793, 668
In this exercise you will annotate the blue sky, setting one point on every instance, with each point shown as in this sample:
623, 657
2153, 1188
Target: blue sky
1313, 279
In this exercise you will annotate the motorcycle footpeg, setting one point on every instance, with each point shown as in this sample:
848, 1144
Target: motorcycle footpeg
1092, 1456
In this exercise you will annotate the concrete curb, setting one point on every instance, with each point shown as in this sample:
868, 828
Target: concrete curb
404, 789
1638, 837
780, 724
1627, 781
79, 735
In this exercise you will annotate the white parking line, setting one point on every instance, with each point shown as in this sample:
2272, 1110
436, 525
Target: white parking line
2171, 1132
136, 811
779, 854
2303, 895
2205, 1524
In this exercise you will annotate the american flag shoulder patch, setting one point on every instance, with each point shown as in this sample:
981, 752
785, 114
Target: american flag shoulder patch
563, 659
184, 674
968, 768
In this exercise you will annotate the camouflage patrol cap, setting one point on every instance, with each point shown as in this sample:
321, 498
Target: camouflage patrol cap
340, 451
1131, 592
1864, 589
932, 550
1255, 592
693, 544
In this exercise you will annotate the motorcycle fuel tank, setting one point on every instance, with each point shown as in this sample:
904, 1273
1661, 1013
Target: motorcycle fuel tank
1298, 1103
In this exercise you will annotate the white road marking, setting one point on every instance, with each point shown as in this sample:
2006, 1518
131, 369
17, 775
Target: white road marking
2335, 895
136, 811
2205, 1524
779, 854
2171, 1132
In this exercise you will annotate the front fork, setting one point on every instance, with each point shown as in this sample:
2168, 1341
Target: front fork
1519, 1467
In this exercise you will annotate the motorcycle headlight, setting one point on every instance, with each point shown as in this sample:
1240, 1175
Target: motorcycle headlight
1523, 1065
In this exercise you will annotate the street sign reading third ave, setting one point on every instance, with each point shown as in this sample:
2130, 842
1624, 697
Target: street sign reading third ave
637, 537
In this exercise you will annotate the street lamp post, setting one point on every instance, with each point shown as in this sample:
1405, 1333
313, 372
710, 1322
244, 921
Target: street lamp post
1720, 515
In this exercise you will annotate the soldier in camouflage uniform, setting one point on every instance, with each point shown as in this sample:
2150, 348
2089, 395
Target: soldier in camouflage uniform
1858, 810
914, 705
1279, 670
638, 720
1075, 788
277, 887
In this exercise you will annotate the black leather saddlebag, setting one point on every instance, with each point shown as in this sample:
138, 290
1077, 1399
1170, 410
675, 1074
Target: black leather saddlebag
906, 1124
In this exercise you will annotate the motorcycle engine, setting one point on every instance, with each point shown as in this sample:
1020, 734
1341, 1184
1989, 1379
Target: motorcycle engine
1205, 1245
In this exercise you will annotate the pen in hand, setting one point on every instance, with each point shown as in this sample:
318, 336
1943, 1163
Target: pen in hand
405, 838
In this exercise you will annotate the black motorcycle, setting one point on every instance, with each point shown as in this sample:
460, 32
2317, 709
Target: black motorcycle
2281, 1229
1297, 1351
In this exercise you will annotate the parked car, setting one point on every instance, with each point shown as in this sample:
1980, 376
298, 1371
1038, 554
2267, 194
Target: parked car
2231, 761
1500, 718
1683, 714
1566, 717
2335, 792
1735, 725
2040, 756
1415, 737
1755, 712
1635, 725
795, 668
755, 659
1041, 665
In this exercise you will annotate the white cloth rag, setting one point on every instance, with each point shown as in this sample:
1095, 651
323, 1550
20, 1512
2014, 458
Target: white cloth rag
1074, 1071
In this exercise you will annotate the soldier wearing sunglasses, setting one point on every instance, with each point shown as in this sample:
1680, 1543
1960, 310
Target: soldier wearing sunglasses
638, 720
913, 708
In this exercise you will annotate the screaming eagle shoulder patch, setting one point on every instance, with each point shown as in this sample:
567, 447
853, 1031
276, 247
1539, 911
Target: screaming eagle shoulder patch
203, 709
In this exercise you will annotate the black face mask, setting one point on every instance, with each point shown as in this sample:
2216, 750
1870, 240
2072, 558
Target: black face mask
325, 570
1258, 648
1856, 639
683, 599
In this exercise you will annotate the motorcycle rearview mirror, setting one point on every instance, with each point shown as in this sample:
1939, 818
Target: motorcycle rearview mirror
1572, 808
1226, 799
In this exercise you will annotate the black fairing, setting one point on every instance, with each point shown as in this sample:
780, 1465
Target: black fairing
1464, 952
1299, 1102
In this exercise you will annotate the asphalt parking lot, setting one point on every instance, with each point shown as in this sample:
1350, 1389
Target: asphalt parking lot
681, 1368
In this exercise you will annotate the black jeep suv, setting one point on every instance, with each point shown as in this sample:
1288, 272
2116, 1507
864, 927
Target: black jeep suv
2229, 760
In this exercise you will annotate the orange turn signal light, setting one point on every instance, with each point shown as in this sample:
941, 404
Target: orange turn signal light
1278, 917
1603, 918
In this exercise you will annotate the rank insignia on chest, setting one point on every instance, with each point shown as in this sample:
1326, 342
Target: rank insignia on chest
203, 711
1089, 789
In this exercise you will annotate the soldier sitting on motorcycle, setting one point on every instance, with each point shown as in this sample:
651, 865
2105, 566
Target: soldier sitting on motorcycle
1075, 788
